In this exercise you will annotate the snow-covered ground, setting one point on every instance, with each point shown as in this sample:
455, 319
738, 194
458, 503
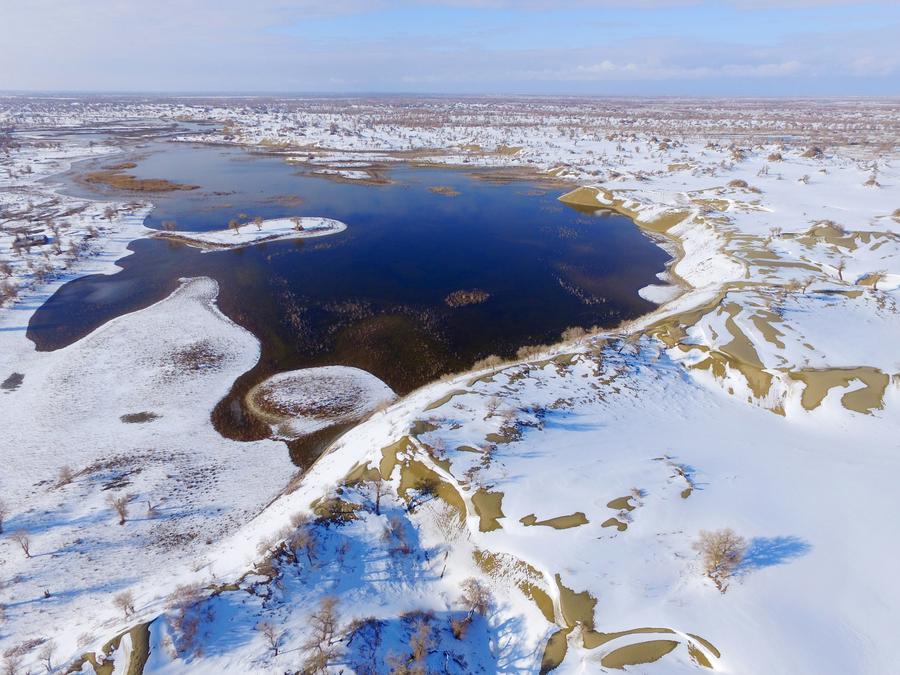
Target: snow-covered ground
298, 402
762, 395
248, 234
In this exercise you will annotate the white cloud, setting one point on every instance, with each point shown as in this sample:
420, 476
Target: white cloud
201, 45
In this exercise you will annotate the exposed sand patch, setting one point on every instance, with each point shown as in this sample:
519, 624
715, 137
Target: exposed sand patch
642, 652
558, 523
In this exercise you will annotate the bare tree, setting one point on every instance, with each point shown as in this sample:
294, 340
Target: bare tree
109, 213
120, 504
235, 225
876, 278
476, 598
12, 664
125, 602
320, 646
378, 489
46, 655
840, 267
298, 223
427, 488
303, 540
722, 551
258, 221
271, 635
22, 539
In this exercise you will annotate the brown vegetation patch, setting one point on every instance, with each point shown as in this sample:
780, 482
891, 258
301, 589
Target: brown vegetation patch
114, 177
462, 298
445, 190
139, 418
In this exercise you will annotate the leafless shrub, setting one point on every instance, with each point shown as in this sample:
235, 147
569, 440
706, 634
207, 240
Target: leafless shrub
775, 157
573, 334
476, 598
22, 539
738, 183
491, 362
12, 664
265, 545
4, 511
721, 551
814, 152
184, 618
492, 406
125, 602
426, 489
420, 643
365, 635
395, 537
303, 541
320, 647
6, 269
530, 351
8, 291
119, 503
66, 475
271, 635
459, 627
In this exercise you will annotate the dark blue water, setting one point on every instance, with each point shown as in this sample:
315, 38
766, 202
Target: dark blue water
373, 296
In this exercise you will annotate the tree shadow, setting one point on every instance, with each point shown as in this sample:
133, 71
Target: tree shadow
770, 551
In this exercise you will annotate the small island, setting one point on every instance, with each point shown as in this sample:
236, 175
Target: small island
462, 298
239, 235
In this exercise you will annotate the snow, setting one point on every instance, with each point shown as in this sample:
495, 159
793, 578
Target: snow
248, 234
696, 411
299, 402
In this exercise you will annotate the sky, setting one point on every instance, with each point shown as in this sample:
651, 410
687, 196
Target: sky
541, 47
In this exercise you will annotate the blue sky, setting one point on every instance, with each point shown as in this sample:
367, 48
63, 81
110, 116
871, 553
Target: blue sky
580, 47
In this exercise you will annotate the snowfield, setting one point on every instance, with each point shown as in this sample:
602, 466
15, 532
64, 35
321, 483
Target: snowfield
531, 516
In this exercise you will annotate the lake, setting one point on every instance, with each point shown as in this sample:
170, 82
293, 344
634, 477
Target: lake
374, 296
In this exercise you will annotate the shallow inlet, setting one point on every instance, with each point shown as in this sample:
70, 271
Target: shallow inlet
374, 296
